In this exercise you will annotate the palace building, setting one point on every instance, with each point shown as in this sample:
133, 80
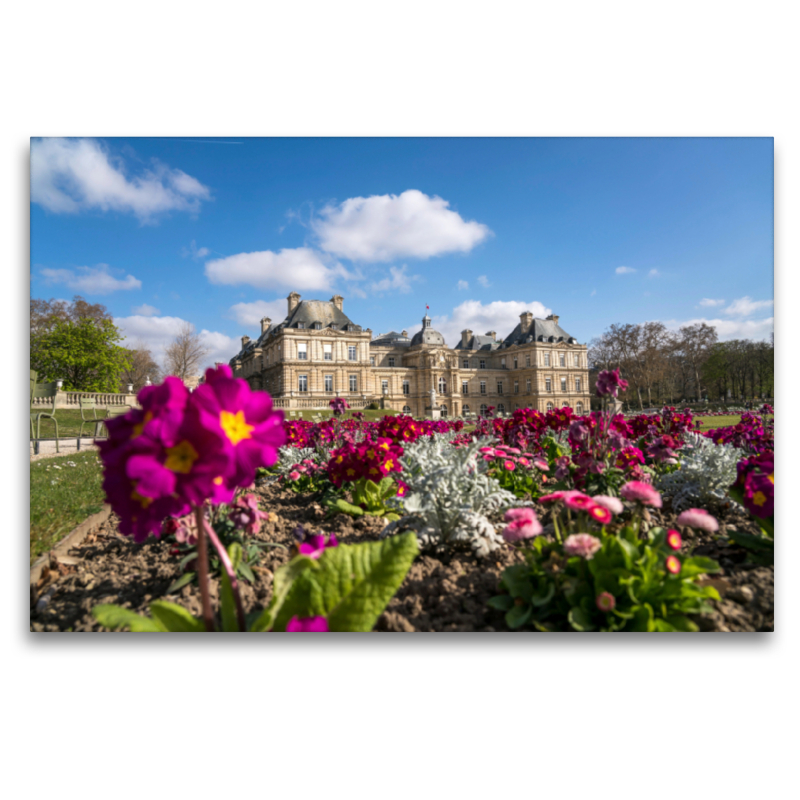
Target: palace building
317, 353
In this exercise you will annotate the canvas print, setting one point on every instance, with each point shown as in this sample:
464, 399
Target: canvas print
401, 385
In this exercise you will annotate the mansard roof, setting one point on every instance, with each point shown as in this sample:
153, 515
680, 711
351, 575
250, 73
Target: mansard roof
391, 339
478, 343
323, 311
541, 330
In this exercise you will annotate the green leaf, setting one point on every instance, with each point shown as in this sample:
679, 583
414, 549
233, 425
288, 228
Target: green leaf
227, 603
187, 559
348, 508
246, 572
350, 584
681, 623
502, 602
281, 584
175, 618
235, 555
184, 579
580, 620
518, 616
751, 542
116, 617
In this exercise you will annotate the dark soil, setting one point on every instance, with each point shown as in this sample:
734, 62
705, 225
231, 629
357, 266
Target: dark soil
442, 592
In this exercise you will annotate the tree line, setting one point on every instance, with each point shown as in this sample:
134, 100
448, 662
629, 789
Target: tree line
78, 343
690, 364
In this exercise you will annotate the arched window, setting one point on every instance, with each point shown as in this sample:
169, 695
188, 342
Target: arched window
579, 408
549, 406
442, 386
483, 410
501, 409
406, 409
565, 404
465, 410
443, 410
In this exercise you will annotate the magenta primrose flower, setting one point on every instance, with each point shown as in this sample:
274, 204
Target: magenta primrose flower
699, 519
316, 545
609, 383
244, 420
640, 492
582, 544
307, 625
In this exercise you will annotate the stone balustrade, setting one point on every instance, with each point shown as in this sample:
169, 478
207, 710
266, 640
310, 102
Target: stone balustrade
108, 400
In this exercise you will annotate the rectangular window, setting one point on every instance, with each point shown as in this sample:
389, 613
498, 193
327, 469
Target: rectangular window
502, 363
372, 361
499, 387
577, 360
577, 384
302, 383
354, 383
464, 387
483, 387
465, 363
483, 364
406, 387
302, 353
562, 360
528, 386
563, 384
385, 387
301, 324
547, 359
527, 359
351, 352
516, 387
329, 383
391, 361
327, 352
515, 362
547, 385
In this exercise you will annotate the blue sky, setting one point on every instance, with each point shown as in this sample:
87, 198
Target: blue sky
218, 232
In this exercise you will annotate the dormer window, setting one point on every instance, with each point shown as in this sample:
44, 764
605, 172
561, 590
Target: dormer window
301, 324
317, 326
333, 326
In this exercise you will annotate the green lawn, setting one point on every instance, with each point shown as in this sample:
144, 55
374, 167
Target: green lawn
69, 424
708, 423
65, 490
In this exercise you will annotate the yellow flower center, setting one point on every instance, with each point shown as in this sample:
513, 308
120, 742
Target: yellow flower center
138, 428
389, 464
235, 426
218, 480
771, 478
181, 457
142, 501
759, 498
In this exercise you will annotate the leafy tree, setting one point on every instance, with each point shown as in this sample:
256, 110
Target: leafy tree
83, 353
142, 367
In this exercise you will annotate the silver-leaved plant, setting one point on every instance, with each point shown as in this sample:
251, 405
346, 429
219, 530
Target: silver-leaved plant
706, 471
451, 500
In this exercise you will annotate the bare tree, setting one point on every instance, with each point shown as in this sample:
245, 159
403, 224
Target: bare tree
143, 366
185, 355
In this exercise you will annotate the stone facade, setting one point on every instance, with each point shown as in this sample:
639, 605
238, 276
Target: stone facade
318, 353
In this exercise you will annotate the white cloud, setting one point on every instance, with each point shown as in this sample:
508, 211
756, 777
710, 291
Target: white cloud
92, 280
745, 306
463, 285
145, 310
398, 280
484, 281
654, 273
158, 332
501, 316
250, 314
72, 175
707, 302
194, 251
385, 227
757, 329
624, 270
301, 269
594, 292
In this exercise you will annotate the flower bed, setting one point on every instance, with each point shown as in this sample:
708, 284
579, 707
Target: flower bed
538, 521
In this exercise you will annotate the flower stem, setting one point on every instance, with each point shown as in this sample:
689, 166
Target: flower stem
228, 565
202, 570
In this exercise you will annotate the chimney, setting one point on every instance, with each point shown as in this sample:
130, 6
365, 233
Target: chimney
525, 320
465, 337
554, 317
245, 340
294, 300
338, 301
265, 322
493, 334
